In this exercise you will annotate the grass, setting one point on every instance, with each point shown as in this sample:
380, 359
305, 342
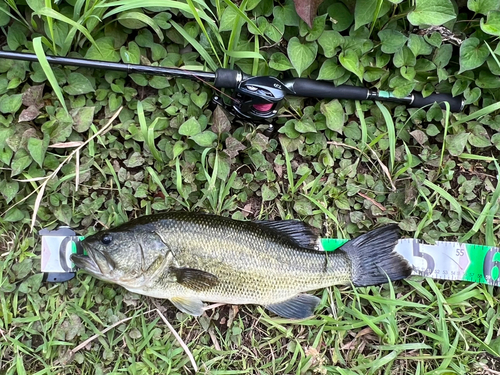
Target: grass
122, 164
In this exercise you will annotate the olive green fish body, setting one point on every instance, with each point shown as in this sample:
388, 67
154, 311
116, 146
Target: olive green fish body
189, 258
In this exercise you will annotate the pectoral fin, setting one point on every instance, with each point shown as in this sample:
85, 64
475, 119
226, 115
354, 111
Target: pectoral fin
191, 306
194, 279
299, 307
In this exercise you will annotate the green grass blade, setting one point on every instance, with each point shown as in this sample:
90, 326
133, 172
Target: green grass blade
446, 125
487, 210
240, 11
125, 5
115, 176
197, 46
178, 180
362, 121
235, 32
482, 112
143, 18
51, 13
488, 159
50, 24
148, 132
453, 202
327, 213
391, 132
42, 59
204, 30
245, 55
157, 181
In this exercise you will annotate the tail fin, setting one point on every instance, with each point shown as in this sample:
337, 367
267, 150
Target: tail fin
373, 257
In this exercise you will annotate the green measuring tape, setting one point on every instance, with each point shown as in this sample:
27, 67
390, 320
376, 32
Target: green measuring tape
445, 260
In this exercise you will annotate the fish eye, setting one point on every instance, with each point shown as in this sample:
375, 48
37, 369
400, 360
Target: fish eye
106, 239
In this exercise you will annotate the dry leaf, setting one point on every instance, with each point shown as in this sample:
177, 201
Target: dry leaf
307, 9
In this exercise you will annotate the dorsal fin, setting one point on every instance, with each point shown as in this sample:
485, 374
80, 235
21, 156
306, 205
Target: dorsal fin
297, 232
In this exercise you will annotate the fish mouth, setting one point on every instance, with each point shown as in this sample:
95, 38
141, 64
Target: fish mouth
87, 263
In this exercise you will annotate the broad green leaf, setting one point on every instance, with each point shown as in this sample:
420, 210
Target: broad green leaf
190, 127
205, 138
78, 84
408, 72
473, 54
459, 86
330, 40
335, 116
162, 20
10, 103
82, 118
471, 96
341, 16
330, 70
287, 13
479, 137
268, 194
483, 6
228, 19
401, 86
135, 160
15, 37
280, 62
9, 190
392, 40
275, 30
443, 55
289, 129
132, 54
4, 14
404, 57
301, 55
199, 99
179, 148
37, 148
20, 162
492, 24
14, 215
305, 125
350, 60
104, 50
317, 29
58, 131
495, 139
418, 45
455, 143
432, 12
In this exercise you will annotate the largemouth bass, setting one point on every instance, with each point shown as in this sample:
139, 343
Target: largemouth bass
191, 257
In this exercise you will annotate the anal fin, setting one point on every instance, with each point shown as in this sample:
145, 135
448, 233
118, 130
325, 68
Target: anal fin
299, 307
191, 306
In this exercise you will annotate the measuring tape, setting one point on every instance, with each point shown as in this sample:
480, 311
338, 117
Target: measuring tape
443, 260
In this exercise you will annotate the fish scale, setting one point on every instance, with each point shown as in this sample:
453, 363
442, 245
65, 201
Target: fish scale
252, 266
191, 257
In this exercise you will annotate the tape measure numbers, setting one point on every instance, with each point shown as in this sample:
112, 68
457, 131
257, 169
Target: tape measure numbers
445, 260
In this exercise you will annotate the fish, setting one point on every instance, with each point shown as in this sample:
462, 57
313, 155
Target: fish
191, 258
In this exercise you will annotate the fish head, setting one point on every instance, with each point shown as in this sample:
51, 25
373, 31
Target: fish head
125, 256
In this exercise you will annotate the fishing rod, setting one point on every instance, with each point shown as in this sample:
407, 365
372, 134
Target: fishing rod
255, 98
